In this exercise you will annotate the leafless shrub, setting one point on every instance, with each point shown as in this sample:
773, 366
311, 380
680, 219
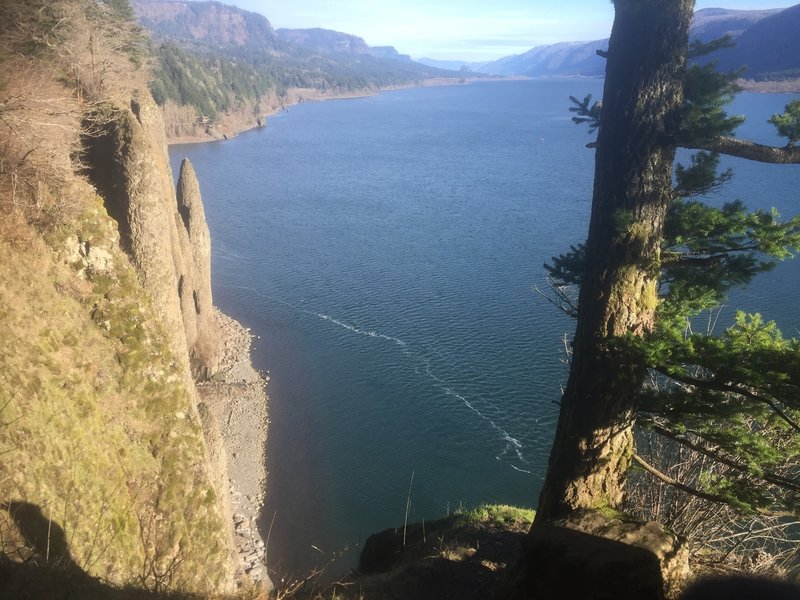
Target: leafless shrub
162, 559
719, 536
181, 120
60, 58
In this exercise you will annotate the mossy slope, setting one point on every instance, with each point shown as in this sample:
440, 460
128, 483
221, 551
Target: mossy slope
98, 431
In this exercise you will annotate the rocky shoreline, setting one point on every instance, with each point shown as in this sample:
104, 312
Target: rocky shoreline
237, 398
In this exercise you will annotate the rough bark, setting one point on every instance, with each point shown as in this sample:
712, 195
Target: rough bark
636, 146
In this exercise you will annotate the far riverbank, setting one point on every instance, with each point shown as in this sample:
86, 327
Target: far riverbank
232, 124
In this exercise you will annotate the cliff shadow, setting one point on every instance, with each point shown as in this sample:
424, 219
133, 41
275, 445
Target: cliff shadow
106, 134
36, 563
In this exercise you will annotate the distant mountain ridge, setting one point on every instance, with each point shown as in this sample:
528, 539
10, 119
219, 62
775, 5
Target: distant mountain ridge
712, 23
562, 59
766, 41
210, 23
325, 40
220, 63
770, 48
452, 65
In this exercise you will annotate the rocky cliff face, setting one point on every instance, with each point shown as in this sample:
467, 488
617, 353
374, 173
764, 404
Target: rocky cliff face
104, 319
164, 233
204, 345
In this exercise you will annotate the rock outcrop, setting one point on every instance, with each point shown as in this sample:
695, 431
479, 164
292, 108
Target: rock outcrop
168, 243
108, 479
204, 343
590, 555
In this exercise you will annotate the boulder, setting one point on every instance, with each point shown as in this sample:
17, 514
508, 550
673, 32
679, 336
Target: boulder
594, 556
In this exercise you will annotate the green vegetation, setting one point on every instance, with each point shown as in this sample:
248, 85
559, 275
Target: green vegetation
210, 85
724, 404
99, 433
104, 471
497, 514
216, 69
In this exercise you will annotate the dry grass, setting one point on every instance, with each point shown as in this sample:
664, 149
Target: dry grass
721, 538
57, 59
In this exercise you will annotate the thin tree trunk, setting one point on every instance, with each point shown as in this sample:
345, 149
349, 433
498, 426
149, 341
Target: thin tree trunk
636, 145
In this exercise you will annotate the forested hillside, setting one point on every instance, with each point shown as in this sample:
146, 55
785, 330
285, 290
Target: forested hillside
215, 62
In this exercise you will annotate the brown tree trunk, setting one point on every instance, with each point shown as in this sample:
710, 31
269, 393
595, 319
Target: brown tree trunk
632, 190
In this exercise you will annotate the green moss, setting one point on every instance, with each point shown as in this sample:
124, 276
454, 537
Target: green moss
90, 391
609, 512
501, 514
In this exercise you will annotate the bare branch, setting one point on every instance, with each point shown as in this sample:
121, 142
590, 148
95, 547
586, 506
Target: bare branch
562, 300
675, 483
787, 155
767, 476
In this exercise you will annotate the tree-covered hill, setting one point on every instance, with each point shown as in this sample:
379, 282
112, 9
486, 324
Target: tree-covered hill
222, 60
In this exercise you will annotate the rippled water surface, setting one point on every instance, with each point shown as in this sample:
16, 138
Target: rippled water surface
386, 250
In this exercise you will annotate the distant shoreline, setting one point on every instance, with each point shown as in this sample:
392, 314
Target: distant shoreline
234, 128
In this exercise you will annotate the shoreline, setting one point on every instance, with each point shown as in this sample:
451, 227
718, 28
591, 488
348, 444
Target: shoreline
312, 95
234, 127
236, 397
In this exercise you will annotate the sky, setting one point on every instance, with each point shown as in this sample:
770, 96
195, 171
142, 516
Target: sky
469, 30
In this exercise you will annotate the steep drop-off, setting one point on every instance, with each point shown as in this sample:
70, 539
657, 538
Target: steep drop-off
106, 321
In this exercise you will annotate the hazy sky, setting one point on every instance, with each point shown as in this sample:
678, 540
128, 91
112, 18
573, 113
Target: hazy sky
461, 29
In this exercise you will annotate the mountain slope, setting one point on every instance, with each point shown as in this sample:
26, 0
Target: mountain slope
712, 23
209, 23
324, 40
766, 40
566, 58
770, 48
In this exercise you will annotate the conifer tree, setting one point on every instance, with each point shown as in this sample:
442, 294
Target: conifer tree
654, 258
734, 397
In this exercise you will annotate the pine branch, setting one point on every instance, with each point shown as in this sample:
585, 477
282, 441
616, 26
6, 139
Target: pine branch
731, 388
786, 155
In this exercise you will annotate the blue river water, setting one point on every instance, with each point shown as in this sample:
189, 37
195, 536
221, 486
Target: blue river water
386, 250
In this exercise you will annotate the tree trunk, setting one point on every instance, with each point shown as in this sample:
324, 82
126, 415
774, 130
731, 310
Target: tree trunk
632, 190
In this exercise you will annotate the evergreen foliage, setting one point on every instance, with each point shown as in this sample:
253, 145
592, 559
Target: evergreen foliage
213, 74
733, 396
788, 123
586, 113
209, 85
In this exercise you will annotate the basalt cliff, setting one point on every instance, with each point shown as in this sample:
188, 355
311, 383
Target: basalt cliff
113, 470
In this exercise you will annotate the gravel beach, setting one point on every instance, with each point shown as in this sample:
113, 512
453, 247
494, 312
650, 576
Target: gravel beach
237, 398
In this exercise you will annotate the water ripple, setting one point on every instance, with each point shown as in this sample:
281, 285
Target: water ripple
421, 365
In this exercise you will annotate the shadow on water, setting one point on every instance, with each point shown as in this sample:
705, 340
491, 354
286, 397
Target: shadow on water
36, 563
